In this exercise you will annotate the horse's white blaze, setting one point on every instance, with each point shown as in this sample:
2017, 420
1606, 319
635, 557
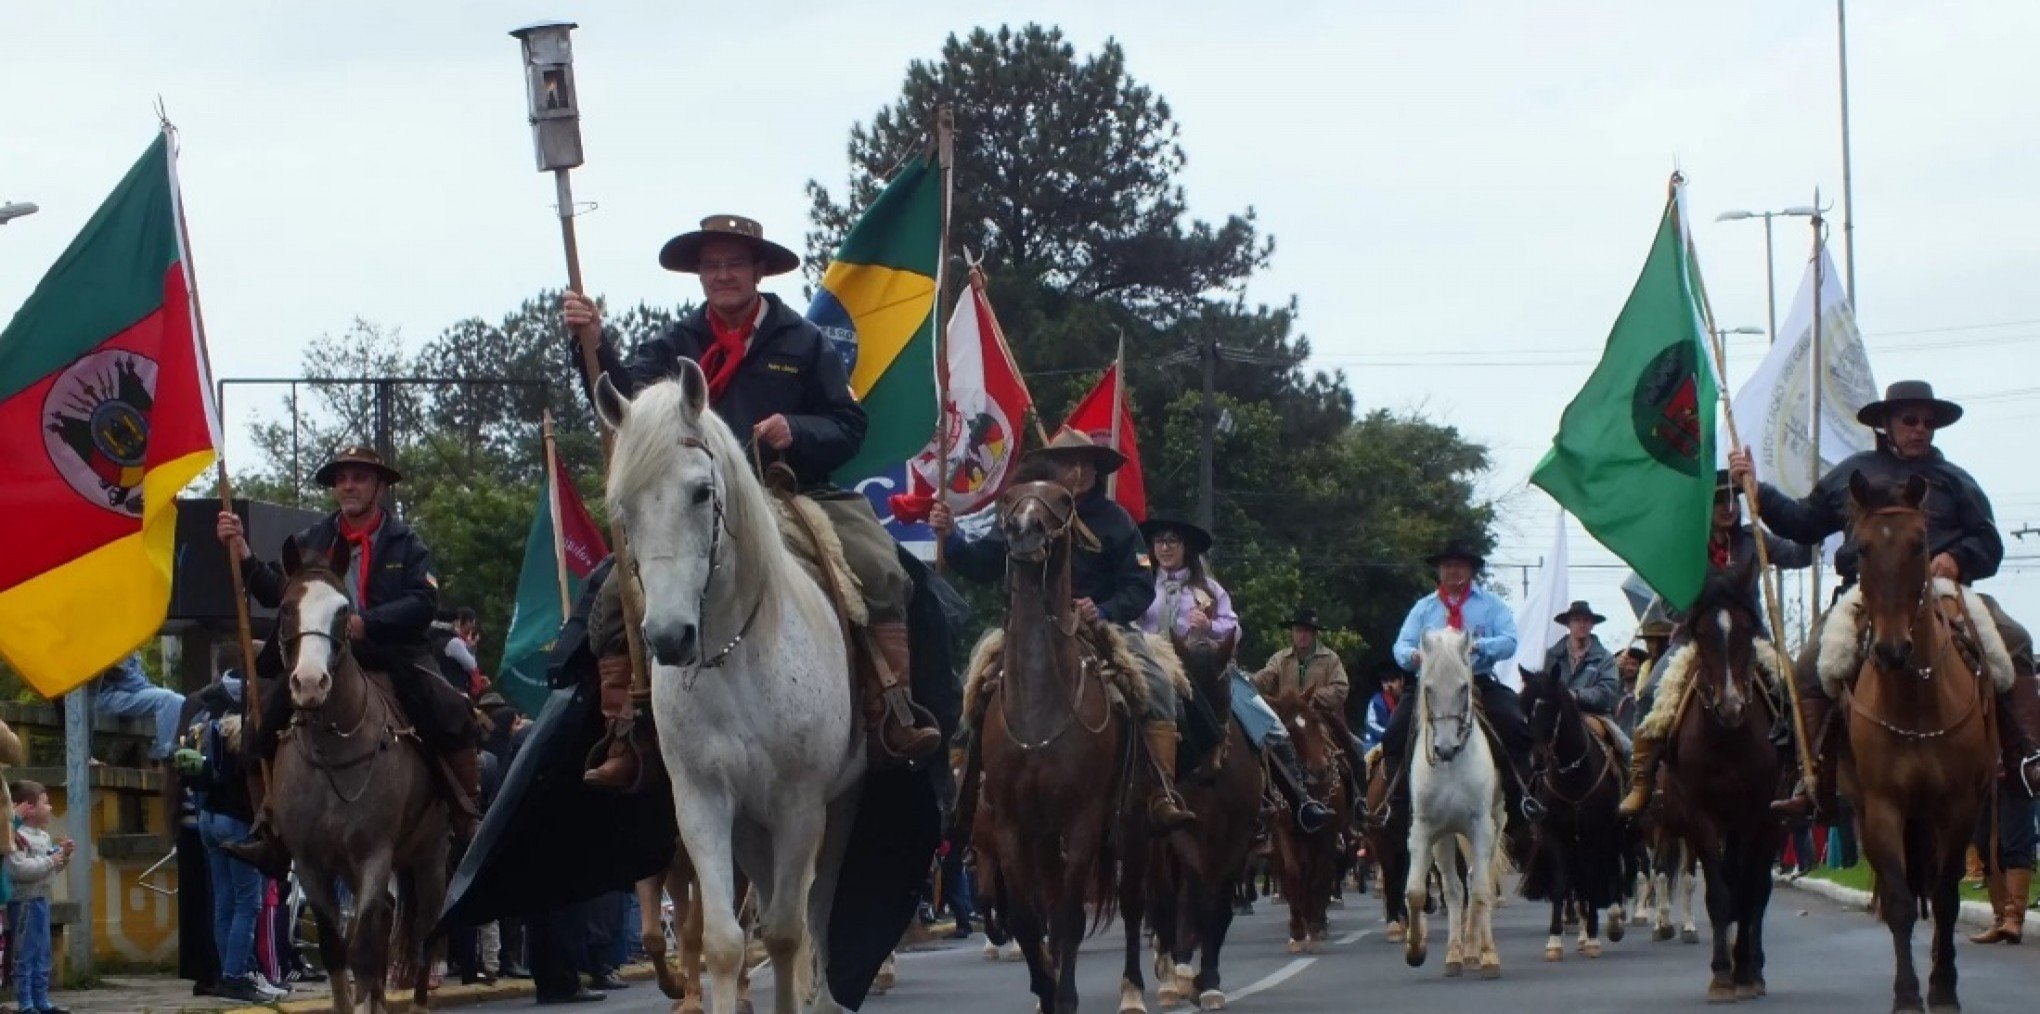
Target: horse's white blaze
316, 610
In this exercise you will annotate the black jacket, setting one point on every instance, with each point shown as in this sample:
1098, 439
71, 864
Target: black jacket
403, 592
1112, 578
791, 369
1743, 575
1959, 520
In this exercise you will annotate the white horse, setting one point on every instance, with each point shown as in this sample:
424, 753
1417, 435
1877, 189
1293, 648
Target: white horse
750, 686
1456, 809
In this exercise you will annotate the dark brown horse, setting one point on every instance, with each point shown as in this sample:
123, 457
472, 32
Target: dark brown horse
1922, 760
1720, 771
1580, 850
1311, 863
1386, 826
1057, 762
1194, 874
353, 796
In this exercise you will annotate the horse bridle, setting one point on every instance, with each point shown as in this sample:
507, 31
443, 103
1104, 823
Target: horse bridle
717, 518
1061, 505
1921, 608
1463, 718
1594, 747
1053, 498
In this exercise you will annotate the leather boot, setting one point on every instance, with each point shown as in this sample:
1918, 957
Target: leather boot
2018, 728
464, 789
614, 764
1642, 775
902, 730
1165, 813
1814, 798
262, 849
2018, 887
1311, 815
1995, 933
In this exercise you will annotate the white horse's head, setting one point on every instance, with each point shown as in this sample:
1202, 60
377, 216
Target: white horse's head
697, 521
1445, 690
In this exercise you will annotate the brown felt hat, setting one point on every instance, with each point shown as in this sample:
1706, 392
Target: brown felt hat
1071, 443
356, 454
683, 252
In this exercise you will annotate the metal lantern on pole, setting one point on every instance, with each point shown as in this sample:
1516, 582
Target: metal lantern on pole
549, 88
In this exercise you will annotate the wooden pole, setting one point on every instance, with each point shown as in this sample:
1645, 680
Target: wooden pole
552, 506
1819, 375
977, 284
631, 595
1748, 491
1118, 403
945, 154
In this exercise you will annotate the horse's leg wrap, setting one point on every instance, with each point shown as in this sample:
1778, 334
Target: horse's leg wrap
616, 763
900, 729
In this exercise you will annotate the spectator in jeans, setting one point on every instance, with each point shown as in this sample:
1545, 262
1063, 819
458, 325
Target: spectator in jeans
124, 691
33, 866
224, 815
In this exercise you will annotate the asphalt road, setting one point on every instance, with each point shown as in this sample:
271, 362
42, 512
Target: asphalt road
1821, 958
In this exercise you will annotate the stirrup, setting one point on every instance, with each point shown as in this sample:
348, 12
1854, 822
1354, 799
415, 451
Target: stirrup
2032, 792
1531, 810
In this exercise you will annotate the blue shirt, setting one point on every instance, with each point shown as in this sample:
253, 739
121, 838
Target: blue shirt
1488, 622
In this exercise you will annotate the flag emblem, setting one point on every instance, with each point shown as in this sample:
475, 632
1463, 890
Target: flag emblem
97, 433
1666, 409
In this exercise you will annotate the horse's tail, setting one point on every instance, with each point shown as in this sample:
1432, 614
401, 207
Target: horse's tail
1105, 883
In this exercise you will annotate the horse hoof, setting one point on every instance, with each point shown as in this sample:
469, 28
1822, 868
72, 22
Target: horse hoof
1167, 996
1211, 1000
1663, 933
1554, 954
1720, 992
1591, 948
1689, 935
1296, 947
690, 1005
1617, 929
1414, 956
884, 982
1314, 946
991, 951
1394, 933
1491, 970
1130, 1001
1453, 969
1748, 991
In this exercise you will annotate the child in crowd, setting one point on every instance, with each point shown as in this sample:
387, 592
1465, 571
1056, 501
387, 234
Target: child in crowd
33, 866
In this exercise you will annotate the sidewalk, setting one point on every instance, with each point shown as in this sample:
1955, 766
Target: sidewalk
151, 994
1975, 914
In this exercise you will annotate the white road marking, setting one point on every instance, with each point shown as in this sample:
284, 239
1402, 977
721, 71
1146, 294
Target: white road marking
1275, 978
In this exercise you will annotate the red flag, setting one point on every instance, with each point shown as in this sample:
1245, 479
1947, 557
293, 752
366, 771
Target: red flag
580, 537
1093, 417
985, 415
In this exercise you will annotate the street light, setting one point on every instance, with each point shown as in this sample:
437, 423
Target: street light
10, 212
1721, 342
1770, 275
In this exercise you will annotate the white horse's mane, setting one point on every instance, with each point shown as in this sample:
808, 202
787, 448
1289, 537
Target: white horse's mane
647, 451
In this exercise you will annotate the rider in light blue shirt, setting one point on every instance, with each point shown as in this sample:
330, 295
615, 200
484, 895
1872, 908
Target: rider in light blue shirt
1486, 617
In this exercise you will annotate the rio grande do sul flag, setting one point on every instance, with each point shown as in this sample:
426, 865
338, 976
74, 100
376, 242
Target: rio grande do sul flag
877, 305
105, 413
563, 539
1634, 455
986, 415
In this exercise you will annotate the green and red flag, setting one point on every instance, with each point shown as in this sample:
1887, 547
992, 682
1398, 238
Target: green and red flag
1634, 456
877, 305
106, 411
563, 548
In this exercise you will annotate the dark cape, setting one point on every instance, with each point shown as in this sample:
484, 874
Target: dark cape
516, 867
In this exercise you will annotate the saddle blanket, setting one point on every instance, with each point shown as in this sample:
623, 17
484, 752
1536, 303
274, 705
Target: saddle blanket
1842, 648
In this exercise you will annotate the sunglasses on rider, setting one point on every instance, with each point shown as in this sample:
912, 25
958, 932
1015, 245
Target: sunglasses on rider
1910, 420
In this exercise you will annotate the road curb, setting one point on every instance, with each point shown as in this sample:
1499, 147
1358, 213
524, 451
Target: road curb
447, 996
1975, 914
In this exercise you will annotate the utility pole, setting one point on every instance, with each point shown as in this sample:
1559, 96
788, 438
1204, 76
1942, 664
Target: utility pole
2021, 533
1207, 444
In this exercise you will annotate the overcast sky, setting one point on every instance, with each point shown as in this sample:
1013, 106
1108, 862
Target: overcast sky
1461, 193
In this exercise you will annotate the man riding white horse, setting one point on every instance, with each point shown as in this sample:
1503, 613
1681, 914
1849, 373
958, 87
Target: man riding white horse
1107, 583
1963, 544
778, 383
1487, 621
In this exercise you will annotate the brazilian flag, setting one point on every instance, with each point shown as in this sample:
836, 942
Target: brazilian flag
877, 304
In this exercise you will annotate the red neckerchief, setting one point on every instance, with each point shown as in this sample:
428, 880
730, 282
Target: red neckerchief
362, 542
721, 359
1717, 551
1454, 617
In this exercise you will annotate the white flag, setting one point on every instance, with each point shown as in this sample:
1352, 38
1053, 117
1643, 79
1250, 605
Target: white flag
1774, 407
1546, 595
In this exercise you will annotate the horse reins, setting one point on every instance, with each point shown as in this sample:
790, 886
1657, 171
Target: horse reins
717, 519
1922, 610
1594, 746
300, 720
1462, 718
1061, 506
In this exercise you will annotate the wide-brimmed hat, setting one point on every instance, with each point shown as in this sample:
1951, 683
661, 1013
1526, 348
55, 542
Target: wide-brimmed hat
1638, 648
356, 454
1305, 617
1195, 539
683, 252
492, 699
1458, 549
1070, 443
1579, 608
1875, 414
1654, 629
1722, 481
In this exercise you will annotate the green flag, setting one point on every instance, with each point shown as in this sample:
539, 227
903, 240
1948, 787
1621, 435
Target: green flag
1634, 455
564, 544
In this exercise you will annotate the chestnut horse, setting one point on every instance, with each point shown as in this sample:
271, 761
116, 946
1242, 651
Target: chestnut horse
1057, 766
1719, 774
1921, 756
1311, 863
1194, 873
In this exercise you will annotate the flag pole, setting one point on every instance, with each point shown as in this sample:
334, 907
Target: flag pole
977, 283
1819, 370
1118, 405
552, 506
945, 153
1748, 489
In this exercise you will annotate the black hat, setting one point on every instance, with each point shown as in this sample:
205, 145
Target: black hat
1196, 539
1305, 617
356, 454
1638, 649
1579, 608
1069, 442
1876, 414
683, 252
1722, 480
1458, 549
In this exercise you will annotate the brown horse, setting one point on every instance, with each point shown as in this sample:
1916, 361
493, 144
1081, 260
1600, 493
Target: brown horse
1720, 771
353, 795
679, 883
1311, 863
1922, 760
1386, 827
1057, 766
1195, 873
